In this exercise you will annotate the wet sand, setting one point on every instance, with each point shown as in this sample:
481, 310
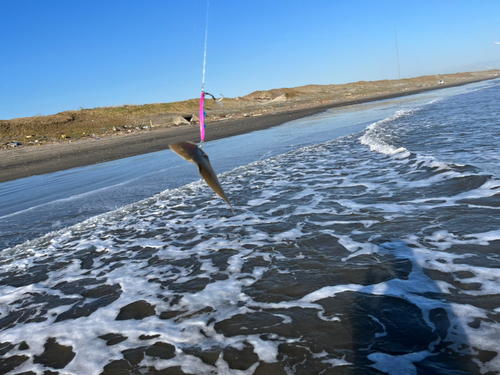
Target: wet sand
28, 161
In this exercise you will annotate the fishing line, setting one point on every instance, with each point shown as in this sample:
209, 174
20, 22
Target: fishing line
191, 151
205, 53
202, 98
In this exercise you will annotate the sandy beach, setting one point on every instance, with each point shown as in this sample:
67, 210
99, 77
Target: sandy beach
23, 162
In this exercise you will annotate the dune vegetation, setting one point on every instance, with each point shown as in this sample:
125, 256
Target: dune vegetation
105, 121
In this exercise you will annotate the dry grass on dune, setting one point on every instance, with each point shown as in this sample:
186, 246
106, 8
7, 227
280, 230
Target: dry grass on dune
72, 125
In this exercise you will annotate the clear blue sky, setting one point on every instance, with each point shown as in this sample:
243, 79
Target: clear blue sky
58, 55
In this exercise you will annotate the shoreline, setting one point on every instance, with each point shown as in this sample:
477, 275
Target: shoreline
29, 161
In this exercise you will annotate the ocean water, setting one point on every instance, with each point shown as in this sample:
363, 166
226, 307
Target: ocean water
365, 240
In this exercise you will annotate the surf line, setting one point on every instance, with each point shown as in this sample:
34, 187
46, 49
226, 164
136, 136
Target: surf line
191, 151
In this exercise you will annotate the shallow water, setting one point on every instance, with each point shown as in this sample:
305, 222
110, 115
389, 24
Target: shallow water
364, 240
34, 206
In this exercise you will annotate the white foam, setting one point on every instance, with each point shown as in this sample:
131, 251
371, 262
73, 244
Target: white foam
371, 204
374, 140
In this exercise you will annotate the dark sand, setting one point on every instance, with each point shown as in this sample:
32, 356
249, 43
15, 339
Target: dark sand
28, 161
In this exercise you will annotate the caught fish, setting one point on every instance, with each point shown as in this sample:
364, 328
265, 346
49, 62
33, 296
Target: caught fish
191, 152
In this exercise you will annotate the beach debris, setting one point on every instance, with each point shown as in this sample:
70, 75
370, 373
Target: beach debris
63, 136
116, 129
194, 154
194, 119
179, 120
